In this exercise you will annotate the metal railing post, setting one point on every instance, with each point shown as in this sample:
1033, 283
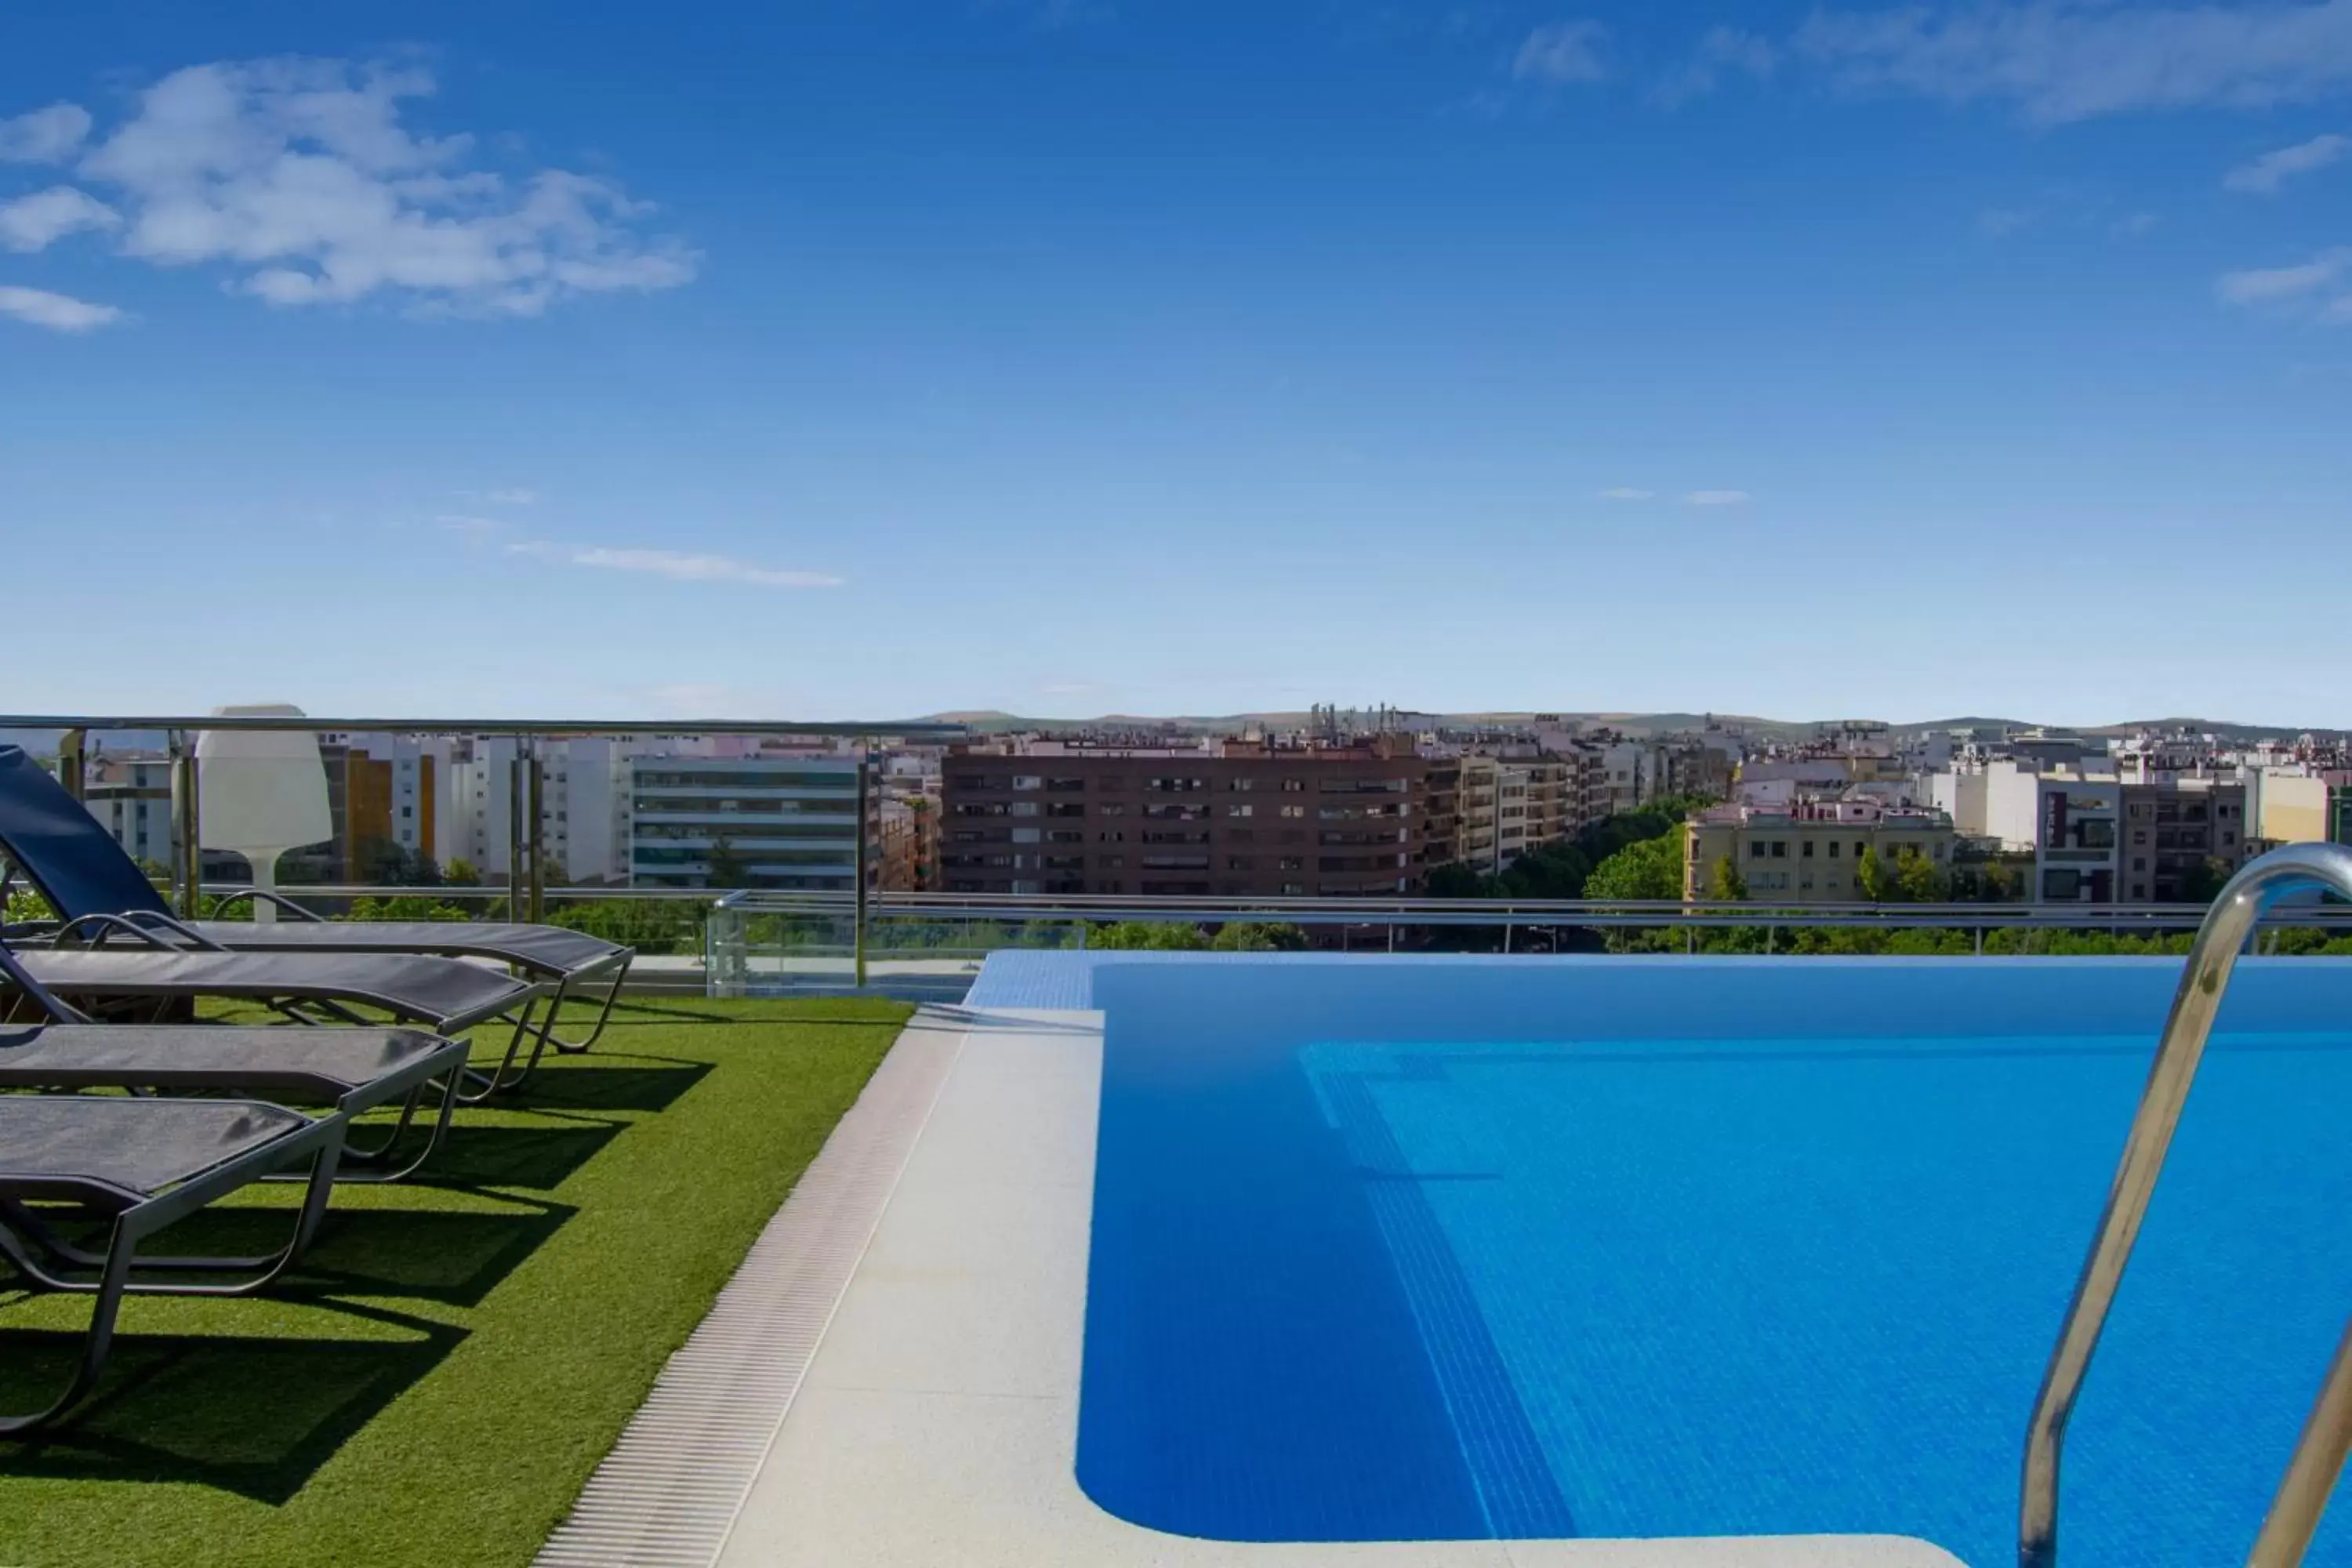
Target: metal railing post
187, 855
2319, 1453
517, 805
535, 773
857, 938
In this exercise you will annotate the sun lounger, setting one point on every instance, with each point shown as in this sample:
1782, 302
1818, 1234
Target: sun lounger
95, 887
138, 1165
157, 984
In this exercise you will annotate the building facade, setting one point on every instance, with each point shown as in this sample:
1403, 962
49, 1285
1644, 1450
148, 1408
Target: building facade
743, 821
1235, 817
1810, 851
2102, 841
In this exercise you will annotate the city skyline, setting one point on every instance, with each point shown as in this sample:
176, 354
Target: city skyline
1067, 358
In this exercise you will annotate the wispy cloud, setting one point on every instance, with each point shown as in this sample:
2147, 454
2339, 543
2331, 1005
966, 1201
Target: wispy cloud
514, 496
40, 220
1721, 51
679, 566
1562, 53
1717, 497
2263, 175
59, 312
302, 179
459, 522
2060, 60
2133, 226
48, 135
1627, 492
2296, 289
1999, 223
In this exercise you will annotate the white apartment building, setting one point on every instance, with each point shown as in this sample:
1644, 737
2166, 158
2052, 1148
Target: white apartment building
579, 825
131, 799
786, 821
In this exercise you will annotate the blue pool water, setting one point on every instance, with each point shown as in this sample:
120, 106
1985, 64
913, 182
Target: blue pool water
1422, 1251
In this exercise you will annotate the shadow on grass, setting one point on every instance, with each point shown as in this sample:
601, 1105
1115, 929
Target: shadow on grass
429, 1255
644, 1083
253, 1417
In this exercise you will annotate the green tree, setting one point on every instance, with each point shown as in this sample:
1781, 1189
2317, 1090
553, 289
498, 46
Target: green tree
1724, 885
1649, 869
461, 873
2202, 883
1870, 878
1254, 936
1136, 936
727, 867
1918, 879
1457, 879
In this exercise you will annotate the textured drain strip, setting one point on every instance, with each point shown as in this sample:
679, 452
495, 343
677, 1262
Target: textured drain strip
670, 1490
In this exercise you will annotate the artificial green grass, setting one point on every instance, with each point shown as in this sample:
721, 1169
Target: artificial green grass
438, 1380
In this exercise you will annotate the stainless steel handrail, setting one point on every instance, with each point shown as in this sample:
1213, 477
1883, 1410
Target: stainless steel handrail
2319, 1452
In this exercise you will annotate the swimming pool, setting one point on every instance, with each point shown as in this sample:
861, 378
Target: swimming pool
1455, 1250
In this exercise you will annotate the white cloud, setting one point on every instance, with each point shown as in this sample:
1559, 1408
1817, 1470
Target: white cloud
301, 177
59, 312
45, 136
679, 566
2063, 60
2265, 175
39, 220
1999, 223
1561, 52
515, 496
2270, 285
1720, 50
2135, 226
1627, 492
1718, 497
458, 522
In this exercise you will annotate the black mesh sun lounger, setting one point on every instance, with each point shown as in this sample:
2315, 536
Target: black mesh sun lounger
157, 985
137, 1165
93, 886
348, 1070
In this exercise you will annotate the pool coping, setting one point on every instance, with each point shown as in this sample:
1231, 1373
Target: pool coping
935, 1420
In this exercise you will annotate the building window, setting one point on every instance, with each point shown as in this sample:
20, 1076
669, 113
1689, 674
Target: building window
1292, 863
1755, 849
1242, 786
1779, 850
2140, 862
1834, 848
1241, 862
1027, 781
1292, 889
1294, 811
1241, 810
1806, 852
1294, 787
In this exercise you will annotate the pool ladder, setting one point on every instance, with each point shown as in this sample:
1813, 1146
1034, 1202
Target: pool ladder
2319, 1453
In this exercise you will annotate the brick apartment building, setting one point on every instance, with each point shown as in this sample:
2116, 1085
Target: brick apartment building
1251, 818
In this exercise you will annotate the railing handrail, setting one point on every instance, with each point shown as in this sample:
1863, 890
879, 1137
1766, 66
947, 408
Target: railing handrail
540, 727
2319, 1452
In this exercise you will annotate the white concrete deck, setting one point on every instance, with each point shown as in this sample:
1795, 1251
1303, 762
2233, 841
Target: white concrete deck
938, 1421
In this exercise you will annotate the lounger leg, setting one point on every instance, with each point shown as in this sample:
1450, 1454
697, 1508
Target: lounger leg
506, 1076
96, 1342
23, 1233
603, 1016
452, 1083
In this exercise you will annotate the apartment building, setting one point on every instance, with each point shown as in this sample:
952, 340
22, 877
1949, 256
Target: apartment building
1248, 817
580, 828
1808, 851
2105, 841
131, 799
743, 821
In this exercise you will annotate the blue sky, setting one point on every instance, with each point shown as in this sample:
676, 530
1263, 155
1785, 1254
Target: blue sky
1073, 356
